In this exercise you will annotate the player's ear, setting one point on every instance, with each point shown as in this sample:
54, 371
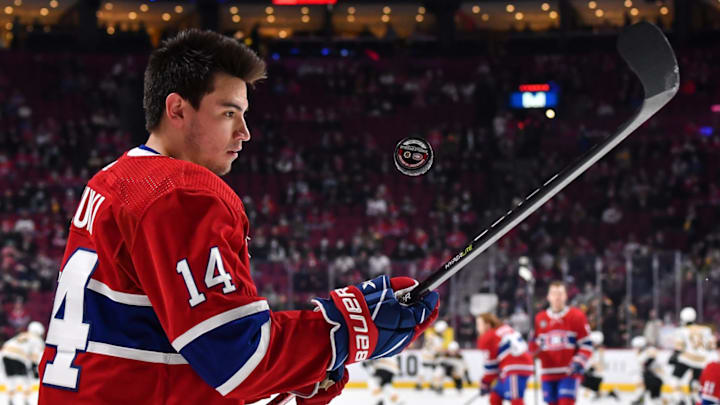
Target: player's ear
175, 107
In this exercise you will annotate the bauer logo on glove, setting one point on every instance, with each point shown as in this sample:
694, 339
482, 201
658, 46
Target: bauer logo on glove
369, 322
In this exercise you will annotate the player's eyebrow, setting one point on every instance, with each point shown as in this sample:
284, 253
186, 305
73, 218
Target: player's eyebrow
233, 105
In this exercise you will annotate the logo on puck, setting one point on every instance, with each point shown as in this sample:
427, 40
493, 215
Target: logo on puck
413, 156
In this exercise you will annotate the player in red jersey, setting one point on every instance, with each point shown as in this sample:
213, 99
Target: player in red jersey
155, 304
710, 384
508, 364
562, 342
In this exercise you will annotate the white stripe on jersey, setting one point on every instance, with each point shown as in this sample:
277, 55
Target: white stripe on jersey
138, 300
251, 363
135, 354
219, 320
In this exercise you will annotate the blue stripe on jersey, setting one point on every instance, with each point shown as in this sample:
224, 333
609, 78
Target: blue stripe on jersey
124, 325
149, 149
491, 366
219, 353
572, 340
503, 348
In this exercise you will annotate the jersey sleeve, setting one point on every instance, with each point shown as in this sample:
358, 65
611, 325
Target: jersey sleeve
491, 364
584, 343
189, 254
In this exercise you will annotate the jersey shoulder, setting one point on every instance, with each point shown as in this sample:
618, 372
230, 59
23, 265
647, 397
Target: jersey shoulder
136, 182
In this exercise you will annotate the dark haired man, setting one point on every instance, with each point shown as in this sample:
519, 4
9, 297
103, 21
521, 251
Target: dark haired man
155, 304
562, 342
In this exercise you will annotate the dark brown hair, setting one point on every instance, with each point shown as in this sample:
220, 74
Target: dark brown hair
187, 63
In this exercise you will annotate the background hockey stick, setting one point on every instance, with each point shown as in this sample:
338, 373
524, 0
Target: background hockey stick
647, 51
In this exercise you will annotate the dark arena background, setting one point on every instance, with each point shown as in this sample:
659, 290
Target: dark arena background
507, 93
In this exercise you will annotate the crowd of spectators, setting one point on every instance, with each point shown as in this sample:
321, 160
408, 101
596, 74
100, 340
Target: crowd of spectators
327, 206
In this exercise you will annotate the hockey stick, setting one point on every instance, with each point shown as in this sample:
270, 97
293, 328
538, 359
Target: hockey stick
646, 50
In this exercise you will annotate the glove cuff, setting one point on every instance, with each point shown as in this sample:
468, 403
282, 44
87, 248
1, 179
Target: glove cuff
338, 332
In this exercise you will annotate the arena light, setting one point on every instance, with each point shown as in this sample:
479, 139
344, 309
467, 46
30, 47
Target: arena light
166, 17
8, 10
715, 108
304, 10
550, 113
634, 12
628, 3
44, 11
664, 10
545, 7
351, 18
53, 4
509, 8
592, 5
233, 10
236, 18
179, 9
419, 18
476, 9
421, 10
519, 16
144, 8
599, 13
485, 17
553, 15
18, 3
305, 19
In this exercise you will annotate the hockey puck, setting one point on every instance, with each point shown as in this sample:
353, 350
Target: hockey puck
413, 156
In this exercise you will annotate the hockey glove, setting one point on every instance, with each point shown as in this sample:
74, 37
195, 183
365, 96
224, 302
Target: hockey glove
484, 388
369, 322
576, 368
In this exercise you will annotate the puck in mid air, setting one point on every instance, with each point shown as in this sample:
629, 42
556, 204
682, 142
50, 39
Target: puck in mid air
413, 156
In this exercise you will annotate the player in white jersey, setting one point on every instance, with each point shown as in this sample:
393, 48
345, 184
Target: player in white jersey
451, 364
593, 376
694, 348
432, 344
21, 355
382, 373
651, 372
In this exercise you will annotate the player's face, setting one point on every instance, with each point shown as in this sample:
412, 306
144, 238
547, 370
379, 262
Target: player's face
217, 128
557, 296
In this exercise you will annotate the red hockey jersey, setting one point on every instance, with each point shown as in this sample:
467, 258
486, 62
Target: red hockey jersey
155, 304
506, 353
710, 383
560, 339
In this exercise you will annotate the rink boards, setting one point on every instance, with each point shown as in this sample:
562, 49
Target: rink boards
620, 368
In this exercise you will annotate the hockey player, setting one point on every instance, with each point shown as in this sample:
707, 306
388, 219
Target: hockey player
451, 364
710, 384
694, 344
651, 370
20, 356
562, 343
155, 290
508, 364
382, 373
592, 378
433, 343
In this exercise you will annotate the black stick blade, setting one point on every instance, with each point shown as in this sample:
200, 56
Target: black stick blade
646, 49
